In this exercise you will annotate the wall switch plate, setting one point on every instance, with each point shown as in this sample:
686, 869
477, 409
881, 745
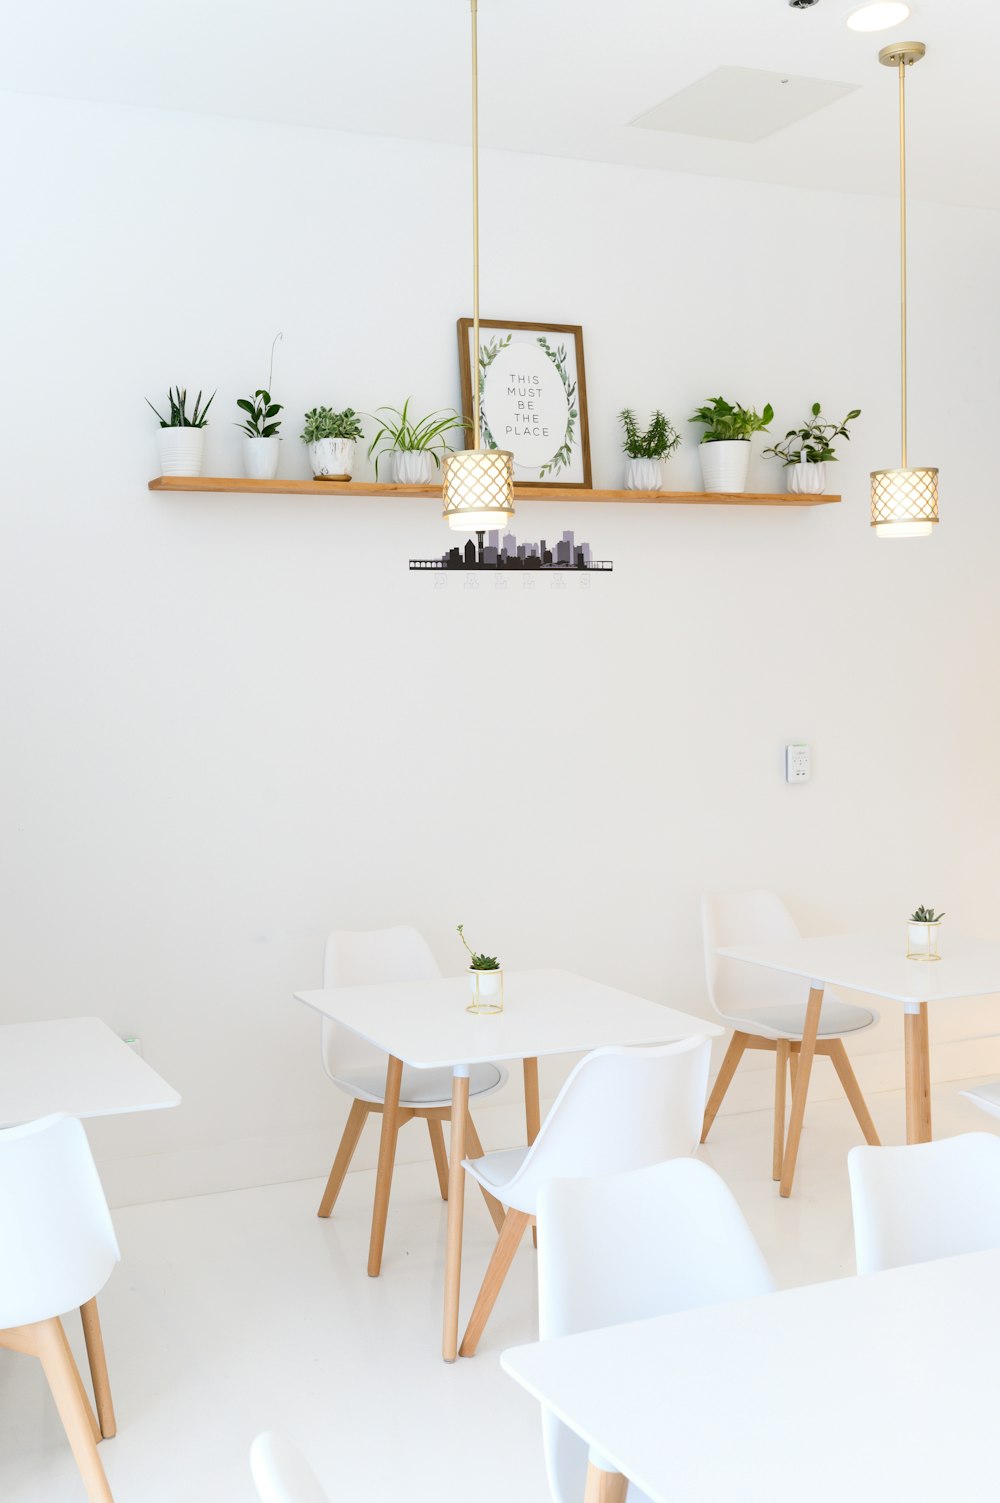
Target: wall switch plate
797, 762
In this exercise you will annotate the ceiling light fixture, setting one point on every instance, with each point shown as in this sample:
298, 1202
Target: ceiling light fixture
904, 501
878, 17
478, 485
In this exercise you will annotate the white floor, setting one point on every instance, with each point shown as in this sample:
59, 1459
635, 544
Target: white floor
239, 1312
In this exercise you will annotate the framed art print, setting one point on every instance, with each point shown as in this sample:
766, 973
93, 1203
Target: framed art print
533, 396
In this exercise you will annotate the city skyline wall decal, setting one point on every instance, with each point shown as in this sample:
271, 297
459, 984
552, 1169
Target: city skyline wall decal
502, 553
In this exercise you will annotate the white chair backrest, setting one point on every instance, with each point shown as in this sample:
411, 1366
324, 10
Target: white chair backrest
363, 958
57, 1244
746, 918
928, 1200
667, 1238
620, 1108
281, 1474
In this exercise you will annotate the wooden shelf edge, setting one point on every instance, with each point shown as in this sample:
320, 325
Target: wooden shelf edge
348, 490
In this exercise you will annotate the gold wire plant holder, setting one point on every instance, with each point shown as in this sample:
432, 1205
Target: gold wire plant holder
923, 941
487, 990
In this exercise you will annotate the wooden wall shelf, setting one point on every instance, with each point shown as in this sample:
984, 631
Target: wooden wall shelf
340, 490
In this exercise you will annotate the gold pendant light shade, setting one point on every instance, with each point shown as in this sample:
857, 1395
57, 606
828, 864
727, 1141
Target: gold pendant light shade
478, 489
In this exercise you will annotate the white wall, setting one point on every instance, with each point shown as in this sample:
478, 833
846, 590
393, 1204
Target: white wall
234, 722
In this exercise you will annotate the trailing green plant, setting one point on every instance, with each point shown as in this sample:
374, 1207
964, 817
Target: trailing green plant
924, 915
478, 962
177, 397
813, 442
323, 422
728, 420
398, 431
261, 410
658, 441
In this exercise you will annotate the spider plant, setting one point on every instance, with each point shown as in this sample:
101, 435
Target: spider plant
398, 431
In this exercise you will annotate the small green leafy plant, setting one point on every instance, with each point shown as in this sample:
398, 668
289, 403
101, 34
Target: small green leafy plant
813, 442
398, 431
323, 422
478, 962
177, 397
724, 420
924, 915
658, 441
260, 412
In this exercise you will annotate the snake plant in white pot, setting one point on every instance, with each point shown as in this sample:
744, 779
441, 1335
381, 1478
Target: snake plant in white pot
182, 434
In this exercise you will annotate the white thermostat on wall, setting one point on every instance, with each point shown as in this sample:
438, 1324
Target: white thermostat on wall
797, 762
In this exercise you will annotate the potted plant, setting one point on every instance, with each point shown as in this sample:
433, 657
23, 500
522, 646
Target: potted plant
806, 451
182, 437
646, 451
725, 443
413, 446
331, 438
260, 435
485, 978
923, 934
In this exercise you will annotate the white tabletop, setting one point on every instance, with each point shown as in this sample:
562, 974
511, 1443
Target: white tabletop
424, 1023
74, 1065
865, 1389
878, 965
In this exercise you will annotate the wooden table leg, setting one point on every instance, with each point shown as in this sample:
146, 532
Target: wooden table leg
800, 1091
918, 1075
780, 1084
604, 1487
925, 1064
456, 1210
386, 1161
98, 1368
532, 1112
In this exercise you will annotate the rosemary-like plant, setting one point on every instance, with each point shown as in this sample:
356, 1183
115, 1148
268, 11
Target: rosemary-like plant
658, 441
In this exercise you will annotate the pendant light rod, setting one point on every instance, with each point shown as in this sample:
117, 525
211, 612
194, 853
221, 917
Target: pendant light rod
902, 254
476, 423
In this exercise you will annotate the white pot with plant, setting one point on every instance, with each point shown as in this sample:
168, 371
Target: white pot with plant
181, 437
332, 439
806, 451
260, 435
485, 979
414, 446
725, 444
646, 451
923, 934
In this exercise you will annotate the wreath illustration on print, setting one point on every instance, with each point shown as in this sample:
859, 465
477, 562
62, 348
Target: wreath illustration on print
564, 454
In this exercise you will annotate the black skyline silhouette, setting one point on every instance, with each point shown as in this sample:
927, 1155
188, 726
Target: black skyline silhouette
502, 553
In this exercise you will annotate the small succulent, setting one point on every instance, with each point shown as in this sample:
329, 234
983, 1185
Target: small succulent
323, 422
924, 915
178, 410
478, 962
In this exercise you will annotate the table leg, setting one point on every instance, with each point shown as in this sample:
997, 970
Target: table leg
456, 1210
386, 1161
918, 1074
604, 1487
780, 1084
800, 1091
532, 1112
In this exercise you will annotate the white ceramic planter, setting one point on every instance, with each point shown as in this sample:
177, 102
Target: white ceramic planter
923, 941
181, 450
332, 458
643, 474
724, 465
260, 457
487, 990
412, 467
806, 479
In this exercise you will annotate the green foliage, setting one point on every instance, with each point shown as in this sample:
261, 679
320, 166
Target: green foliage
725, 420
260, 410
813, 442
564, 453
924, 915
397, 430
658, 441
323, 422
478, 962
177, 397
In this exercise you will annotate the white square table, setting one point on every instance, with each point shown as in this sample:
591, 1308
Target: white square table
425, 1024
870, 1389
877, 966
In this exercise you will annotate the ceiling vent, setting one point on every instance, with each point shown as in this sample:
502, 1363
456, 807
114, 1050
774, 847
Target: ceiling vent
742, 104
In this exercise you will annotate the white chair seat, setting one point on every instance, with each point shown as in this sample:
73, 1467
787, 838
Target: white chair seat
494, 1171
421, 1087
787, 1020
986, 1096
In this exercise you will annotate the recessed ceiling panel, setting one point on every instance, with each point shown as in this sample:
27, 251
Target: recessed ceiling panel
742, 104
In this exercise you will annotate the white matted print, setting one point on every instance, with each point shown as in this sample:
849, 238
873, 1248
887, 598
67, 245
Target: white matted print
533, 395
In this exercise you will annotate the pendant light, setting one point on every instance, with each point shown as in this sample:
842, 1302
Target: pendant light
904, 501
478, 488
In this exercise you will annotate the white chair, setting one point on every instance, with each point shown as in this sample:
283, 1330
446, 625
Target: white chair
281, 1474
57, 1251
986, 1097
767, 1009
924, 1201
357, 1068
628, 1247
619, 1109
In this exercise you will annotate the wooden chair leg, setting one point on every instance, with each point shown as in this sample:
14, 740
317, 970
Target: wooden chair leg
386, 1164
356, 1119
723, 1080
508, 1242
440, 1156
94, 1338
782, 1057
64, 1381
476, 1152
807, 1048
604, 1487
848, 1079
